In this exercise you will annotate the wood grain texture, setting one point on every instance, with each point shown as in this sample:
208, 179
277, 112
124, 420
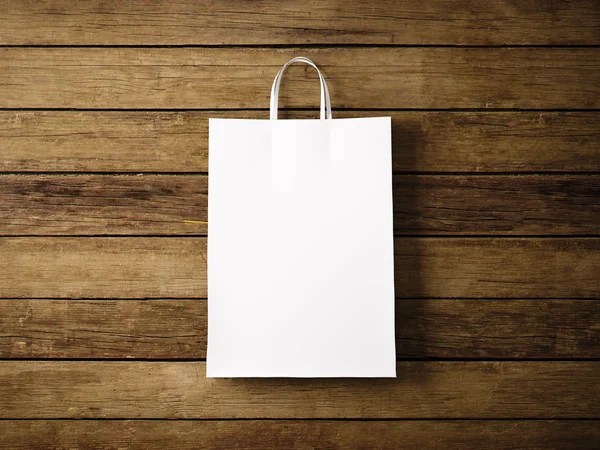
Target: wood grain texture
498, 268
423, 205
101, 204
390, 78
521, 205
123, 141
453, 390
299, 434
155, 267
496, 152
496, 22
177, 329
103, 267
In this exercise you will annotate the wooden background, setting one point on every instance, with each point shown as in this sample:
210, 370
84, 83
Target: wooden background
103, 194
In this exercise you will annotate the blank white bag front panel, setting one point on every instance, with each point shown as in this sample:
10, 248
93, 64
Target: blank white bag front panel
300, 248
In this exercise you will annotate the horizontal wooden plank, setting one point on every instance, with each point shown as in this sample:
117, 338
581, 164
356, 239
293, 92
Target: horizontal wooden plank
497, 22
474, 267
451, 77
425, 205
338, 434
103, 267
138, 267
462, 328
522, 205
101, 204
177, 329
123, 141
109, 389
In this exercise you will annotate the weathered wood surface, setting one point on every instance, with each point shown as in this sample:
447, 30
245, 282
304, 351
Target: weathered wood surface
141, 141
300, 434
103, 267
390, 78
103, 204
177, 329
155, 267
452, 390
497, 22
474, 89
522, 205
425, 204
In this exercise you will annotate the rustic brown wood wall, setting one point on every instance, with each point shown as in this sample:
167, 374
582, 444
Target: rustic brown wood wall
103, 194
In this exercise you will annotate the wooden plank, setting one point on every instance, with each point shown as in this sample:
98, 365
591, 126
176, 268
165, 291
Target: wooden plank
160, 22
451, 77
103, 204
568, 329
261, 434
452, 390
498, 268
103, 267
123, 141
425, 205
177, 329
139, 267
521, 205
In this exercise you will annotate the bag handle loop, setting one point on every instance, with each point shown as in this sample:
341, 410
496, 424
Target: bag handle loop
325, 100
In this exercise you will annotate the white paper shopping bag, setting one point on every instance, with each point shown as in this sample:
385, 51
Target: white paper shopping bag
300, 246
